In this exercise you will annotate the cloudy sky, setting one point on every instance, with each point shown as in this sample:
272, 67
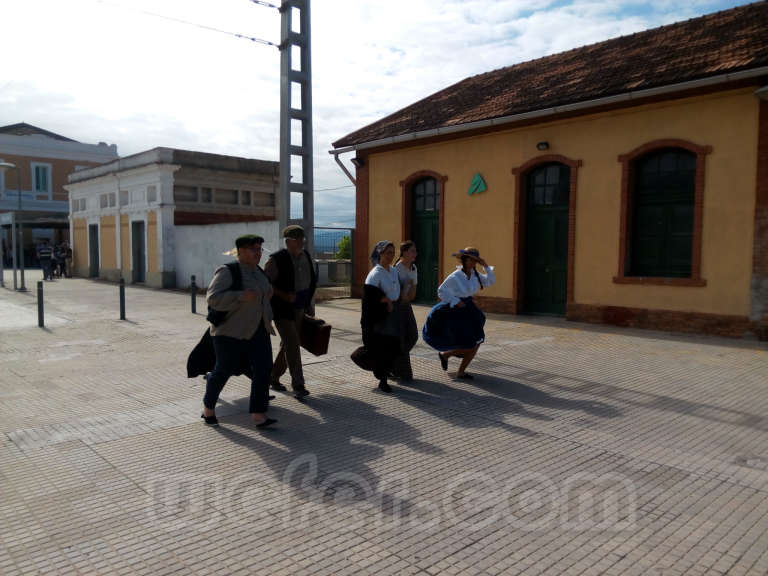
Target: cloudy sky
129, 72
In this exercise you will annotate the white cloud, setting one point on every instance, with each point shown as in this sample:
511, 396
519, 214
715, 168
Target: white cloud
108, 71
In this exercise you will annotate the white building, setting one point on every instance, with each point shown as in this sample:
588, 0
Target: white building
160, 216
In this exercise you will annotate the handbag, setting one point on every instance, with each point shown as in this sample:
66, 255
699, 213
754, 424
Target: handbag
363, 359
315, 335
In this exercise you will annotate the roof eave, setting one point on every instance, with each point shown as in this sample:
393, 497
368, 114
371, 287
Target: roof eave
566, 108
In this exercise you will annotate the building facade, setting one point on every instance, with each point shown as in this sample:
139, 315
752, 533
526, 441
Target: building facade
157, 217
43, 162
624, 182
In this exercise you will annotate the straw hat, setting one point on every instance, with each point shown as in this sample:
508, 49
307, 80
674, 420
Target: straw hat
469, 252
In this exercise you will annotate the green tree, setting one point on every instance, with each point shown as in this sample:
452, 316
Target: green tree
343, 248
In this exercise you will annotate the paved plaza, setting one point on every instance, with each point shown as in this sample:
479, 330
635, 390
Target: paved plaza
577, 450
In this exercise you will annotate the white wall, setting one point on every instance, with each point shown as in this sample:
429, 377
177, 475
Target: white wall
199, 248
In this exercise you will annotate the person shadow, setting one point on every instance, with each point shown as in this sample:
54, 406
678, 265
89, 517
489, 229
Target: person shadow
513, 390
330, 456
464, 408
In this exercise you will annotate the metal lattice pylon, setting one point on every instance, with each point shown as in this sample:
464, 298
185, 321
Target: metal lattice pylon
296, 76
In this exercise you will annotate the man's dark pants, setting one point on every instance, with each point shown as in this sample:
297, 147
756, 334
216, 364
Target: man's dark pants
229, 353
46, 264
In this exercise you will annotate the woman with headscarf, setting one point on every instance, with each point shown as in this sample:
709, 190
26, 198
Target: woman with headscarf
454, 326
409, 331
379, 319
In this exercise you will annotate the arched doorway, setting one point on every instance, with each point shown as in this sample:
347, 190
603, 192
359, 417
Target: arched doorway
425, 232
547, 199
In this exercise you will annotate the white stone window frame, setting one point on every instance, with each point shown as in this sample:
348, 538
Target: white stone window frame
33, 166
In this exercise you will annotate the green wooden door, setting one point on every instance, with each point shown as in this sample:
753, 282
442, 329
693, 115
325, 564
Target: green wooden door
425, 217
546, 242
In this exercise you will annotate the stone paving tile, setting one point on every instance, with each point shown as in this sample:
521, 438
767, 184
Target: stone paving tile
577, 450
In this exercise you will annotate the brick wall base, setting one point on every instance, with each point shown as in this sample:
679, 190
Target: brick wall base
496, 305
689, 322
666, 320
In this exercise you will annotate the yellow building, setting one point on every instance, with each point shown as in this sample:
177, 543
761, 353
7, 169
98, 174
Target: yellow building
624, 182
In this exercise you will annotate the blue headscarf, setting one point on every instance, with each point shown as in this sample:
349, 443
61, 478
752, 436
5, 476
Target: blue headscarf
377, 250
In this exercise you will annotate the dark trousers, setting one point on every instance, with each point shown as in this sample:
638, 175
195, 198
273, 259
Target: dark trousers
384, 350
229, 354
46, 264
289, 355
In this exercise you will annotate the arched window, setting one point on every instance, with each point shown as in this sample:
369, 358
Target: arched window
662, 214
662, 208
426, 195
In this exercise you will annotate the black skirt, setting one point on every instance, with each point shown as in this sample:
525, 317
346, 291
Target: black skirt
454, 328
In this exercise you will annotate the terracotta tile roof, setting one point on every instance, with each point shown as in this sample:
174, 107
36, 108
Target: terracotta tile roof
720, 43
24, 129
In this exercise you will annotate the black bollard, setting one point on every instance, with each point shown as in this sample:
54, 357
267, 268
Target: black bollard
40, 312
122, 298
193, 292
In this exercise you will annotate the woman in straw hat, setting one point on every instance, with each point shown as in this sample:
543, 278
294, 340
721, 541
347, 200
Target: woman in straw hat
454, 326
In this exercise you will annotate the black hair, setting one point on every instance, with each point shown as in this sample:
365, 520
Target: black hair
463, 263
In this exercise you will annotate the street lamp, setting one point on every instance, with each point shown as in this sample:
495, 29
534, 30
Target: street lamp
3, 167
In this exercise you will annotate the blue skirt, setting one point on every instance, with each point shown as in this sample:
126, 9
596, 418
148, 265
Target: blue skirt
449, 328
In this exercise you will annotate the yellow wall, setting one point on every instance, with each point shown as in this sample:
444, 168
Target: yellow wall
727, 122
108, 243
80, 247
152, 241
125, 246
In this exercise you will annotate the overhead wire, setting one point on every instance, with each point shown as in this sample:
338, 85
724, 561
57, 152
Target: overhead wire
337, 188
195, 24
267, 4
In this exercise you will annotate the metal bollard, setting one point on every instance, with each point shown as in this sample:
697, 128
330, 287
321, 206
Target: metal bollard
122, 298
193, 292
40, 312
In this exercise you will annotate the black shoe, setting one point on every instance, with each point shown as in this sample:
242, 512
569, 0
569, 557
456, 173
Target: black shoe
267, 422
443, 361
465, 376
272, 396
384, 387
210, 420
279, 387
300, 393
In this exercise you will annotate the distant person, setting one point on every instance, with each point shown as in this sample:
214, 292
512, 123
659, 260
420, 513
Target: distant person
67, 251
242, 330
45, 256
409, 331
380, 320
454, 326
292, 272
58, 260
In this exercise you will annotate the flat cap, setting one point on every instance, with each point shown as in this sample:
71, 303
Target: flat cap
248, 240
293, 231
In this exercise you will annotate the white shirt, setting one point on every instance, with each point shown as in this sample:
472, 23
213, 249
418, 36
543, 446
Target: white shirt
387, 280
458, 286
405, 275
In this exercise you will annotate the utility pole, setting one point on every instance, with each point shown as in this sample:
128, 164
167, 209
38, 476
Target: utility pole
296, 88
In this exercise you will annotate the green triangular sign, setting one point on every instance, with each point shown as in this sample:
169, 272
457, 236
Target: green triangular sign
477, 185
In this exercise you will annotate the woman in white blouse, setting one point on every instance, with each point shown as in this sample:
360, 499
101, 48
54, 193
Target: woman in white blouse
454, 326
380, 318
409, 331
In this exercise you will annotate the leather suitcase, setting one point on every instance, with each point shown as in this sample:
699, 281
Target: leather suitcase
315, 335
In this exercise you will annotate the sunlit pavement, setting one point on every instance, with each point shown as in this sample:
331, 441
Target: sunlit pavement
577, 449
